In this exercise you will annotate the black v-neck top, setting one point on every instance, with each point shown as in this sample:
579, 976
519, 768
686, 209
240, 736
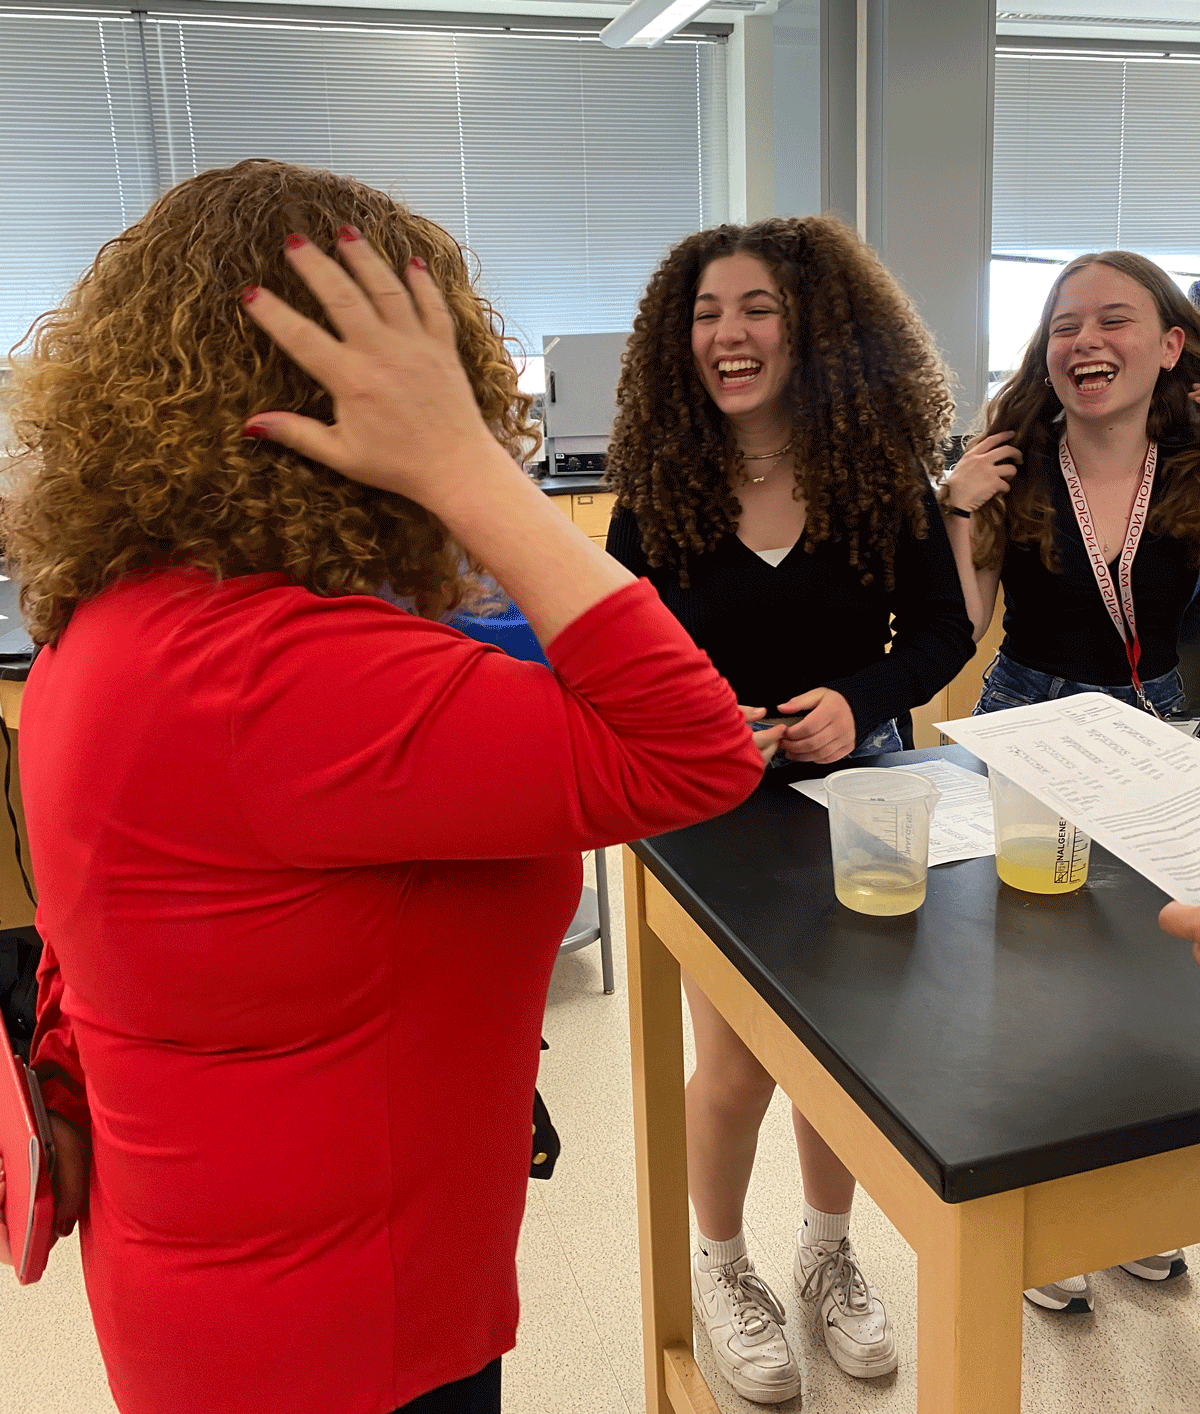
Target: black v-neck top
1056, 622
775, 632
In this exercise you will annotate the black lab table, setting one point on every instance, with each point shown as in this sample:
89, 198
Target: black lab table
1014, 1079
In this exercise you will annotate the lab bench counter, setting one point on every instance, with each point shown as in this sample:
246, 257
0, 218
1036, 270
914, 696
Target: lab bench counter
1012, 1077
567, 485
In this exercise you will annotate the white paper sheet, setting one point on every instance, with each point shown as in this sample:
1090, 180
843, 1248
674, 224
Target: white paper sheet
1125, 778
961, 827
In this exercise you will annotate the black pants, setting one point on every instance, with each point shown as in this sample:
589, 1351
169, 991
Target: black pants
477, 1394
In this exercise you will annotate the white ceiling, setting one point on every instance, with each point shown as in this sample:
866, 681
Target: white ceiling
1156, 20
1108, 19
595, 9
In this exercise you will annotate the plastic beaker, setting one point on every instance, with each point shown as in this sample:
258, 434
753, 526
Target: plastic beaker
879, 832
1036, 848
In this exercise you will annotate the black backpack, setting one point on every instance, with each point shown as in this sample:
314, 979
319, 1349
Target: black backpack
20, 953
546, 1145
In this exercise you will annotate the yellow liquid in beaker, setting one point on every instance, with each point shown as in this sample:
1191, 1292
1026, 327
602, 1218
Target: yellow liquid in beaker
881, 889
1037, 866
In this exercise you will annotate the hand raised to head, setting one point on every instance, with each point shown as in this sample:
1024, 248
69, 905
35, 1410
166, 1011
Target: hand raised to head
985, 469
405, 417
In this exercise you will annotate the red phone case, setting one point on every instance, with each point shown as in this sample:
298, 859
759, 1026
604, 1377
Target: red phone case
29, 1206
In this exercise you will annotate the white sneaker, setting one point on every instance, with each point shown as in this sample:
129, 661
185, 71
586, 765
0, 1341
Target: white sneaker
857, 1331
1161, 1266
1071, 1295
742, 1316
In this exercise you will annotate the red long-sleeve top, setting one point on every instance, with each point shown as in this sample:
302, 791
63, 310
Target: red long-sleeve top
304, 865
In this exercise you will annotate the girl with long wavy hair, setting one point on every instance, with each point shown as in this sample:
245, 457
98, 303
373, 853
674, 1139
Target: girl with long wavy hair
1082, 498
295, 967
781, 412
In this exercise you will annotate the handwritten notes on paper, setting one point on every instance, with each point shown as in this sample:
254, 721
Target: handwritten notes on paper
1129, 780
961, 827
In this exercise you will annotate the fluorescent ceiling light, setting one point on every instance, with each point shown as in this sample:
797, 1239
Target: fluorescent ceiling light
646, 23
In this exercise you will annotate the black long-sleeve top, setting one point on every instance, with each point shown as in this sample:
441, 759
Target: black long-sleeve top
775, 632
1056, 622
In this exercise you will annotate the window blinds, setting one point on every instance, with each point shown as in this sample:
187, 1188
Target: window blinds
76, 165
567, 167
1097, 153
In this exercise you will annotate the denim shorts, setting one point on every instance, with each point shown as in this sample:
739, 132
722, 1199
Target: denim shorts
1009, 684
884, 738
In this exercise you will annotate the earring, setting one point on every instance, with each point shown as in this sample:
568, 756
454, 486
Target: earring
1048, 383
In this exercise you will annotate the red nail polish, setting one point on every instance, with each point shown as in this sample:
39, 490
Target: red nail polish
349, 233
255, 430
295, 241
418, 262
249, 294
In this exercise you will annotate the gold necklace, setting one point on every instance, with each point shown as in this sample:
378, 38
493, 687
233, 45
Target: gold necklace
766, 456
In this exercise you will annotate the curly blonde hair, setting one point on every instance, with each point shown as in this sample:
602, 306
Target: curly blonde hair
128, 414
870, 400
1031, 410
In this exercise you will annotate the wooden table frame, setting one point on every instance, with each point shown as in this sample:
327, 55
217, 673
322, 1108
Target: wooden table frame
973, 1258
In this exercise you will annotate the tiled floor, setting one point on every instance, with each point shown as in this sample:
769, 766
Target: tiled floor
579, 1349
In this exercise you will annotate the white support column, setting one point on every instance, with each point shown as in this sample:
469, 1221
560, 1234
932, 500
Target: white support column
751, 79
907, 92
839, 108
935, 148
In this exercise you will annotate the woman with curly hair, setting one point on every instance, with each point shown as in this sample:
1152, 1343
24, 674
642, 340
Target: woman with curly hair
294, 967
781, 411
1082, 497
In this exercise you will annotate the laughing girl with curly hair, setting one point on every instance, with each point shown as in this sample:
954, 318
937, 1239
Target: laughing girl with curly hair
781, 417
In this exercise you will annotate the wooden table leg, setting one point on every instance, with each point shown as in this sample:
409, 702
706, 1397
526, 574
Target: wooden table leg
659, 1126
969, 1274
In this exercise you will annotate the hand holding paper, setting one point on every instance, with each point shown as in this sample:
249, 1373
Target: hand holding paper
5, 1247
72, 1164
70, 1180
26, 1143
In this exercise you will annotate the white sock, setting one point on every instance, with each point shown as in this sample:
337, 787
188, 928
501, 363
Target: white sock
720, 1254
823, 1227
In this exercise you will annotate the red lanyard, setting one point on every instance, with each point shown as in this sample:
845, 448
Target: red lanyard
1119, 611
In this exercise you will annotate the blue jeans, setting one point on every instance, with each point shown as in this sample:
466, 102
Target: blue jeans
884, 738
1009, 684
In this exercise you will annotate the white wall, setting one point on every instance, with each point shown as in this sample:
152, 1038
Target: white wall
750, 75
774, 69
